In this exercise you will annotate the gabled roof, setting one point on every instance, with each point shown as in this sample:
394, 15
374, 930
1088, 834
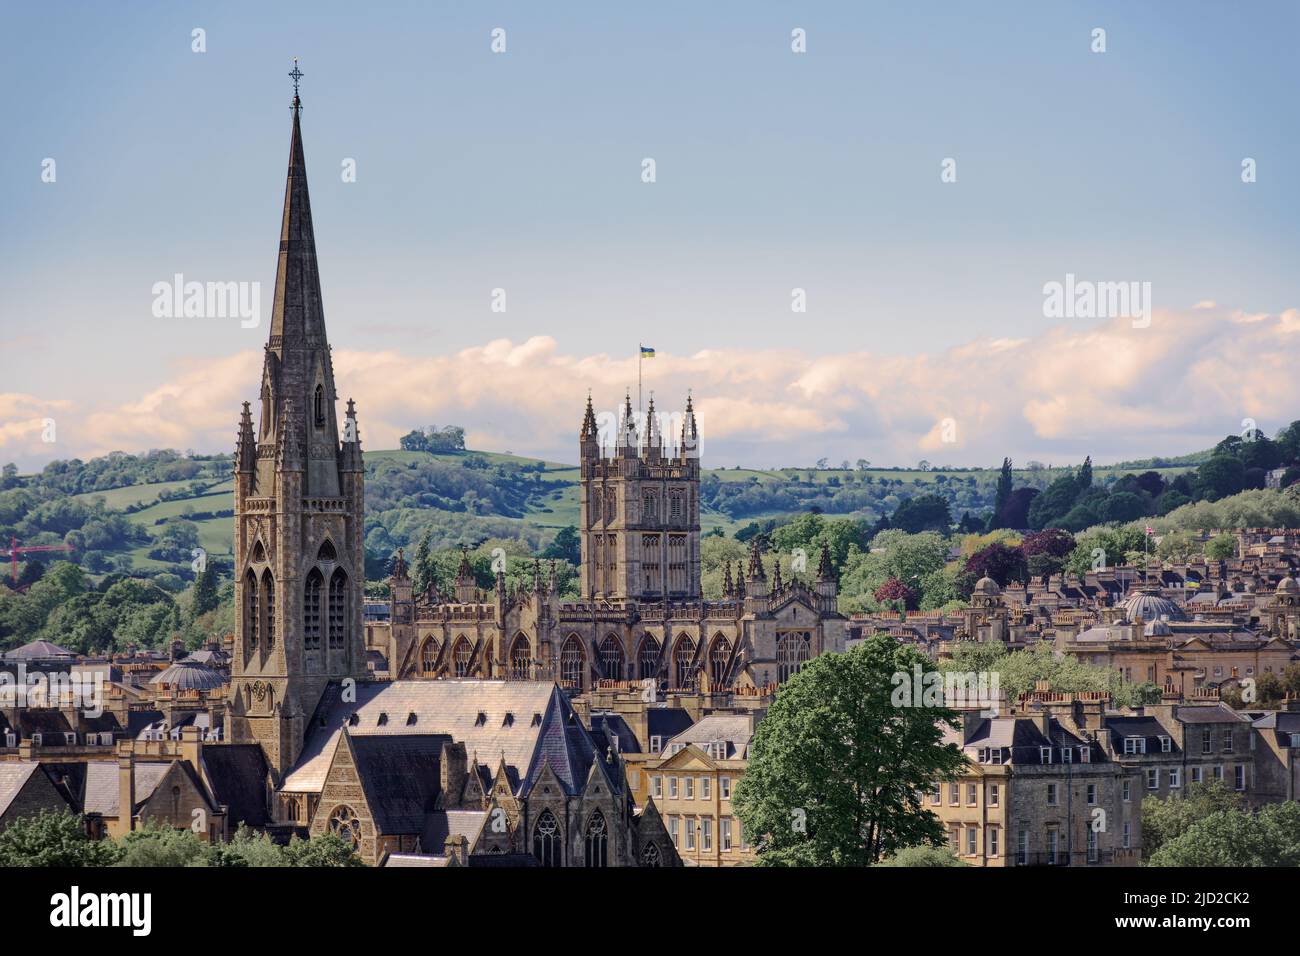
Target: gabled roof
238, 776
400, 776
14, 775
736, 730
522, 722
102, 784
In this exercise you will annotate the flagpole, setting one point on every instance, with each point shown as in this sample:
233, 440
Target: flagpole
639, 356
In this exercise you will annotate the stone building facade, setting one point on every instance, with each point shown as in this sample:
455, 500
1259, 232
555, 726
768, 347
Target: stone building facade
641, 616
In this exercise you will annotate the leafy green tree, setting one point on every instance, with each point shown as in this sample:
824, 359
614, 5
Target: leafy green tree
922, 513
1164, 820
837, 770
1001, 496
566, 546
329, 849
52, 838
922, 856
1236, 838
1221, 547
160, 845
205, 591
1221, 476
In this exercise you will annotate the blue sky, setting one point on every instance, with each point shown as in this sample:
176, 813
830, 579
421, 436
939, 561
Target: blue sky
522, 171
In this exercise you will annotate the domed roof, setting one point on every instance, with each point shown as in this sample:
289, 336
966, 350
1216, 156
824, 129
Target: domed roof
1149, 605
1158, 628
190, 675
1288, 585
987, 585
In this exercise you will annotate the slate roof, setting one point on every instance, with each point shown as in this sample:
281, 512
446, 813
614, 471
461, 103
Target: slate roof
14, 775
189, 675
400, 776
38, 650
237, 774
542, 727
735, 730
102, 785
666, 722
444, 823
1202, 714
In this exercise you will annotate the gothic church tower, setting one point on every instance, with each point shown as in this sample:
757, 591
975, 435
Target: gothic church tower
640, 510
299, 559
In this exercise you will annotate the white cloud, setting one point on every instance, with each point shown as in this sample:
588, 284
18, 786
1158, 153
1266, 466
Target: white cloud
1109, 390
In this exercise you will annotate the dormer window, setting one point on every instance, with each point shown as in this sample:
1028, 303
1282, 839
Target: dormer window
1135, 745
537, 720
354, 719
410, 719
1085, 755
656, 743
1165, 745
1044, 754
383, 719
508, 720
481, 719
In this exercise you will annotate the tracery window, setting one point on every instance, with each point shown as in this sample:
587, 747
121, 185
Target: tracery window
648, 659
268, 608
546, 840
611, 658
429, 656
597, 840
719, 655
521, 658
650, 856
683, 655
344, 822
791, 654
311, 593
461, 657
572, 661
338, 608
250, 610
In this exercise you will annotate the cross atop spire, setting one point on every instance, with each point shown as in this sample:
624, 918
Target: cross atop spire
296, 74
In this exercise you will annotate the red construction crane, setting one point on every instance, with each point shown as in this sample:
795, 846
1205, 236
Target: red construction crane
14, 551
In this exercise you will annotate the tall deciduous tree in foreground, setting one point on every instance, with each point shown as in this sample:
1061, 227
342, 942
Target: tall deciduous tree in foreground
837, 771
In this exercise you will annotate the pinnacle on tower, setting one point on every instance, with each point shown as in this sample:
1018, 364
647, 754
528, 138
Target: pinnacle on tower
627, 428
825, 572
246, 446
776, 574
589, 431
652, 437
756, 570
399, 566
727, 586
690, 447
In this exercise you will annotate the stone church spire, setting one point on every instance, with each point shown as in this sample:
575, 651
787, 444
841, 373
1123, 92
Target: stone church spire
298, 367
298, 508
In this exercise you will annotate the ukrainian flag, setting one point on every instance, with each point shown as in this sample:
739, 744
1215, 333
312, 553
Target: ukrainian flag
647, 352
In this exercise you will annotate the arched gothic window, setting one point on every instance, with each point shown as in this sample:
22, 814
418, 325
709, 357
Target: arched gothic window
719, 655
521, 653
572, 662
611, 658
311, 594
650, 855
429, 657
648, 658
683, 654
546, 840
250, 611
268, 608
461, 654
597, 840
791, 654
327, 552
343, 821
320, 406
338, 608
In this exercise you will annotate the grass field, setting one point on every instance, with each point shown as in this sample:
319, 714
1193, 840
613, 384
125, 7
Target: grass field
560, 508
